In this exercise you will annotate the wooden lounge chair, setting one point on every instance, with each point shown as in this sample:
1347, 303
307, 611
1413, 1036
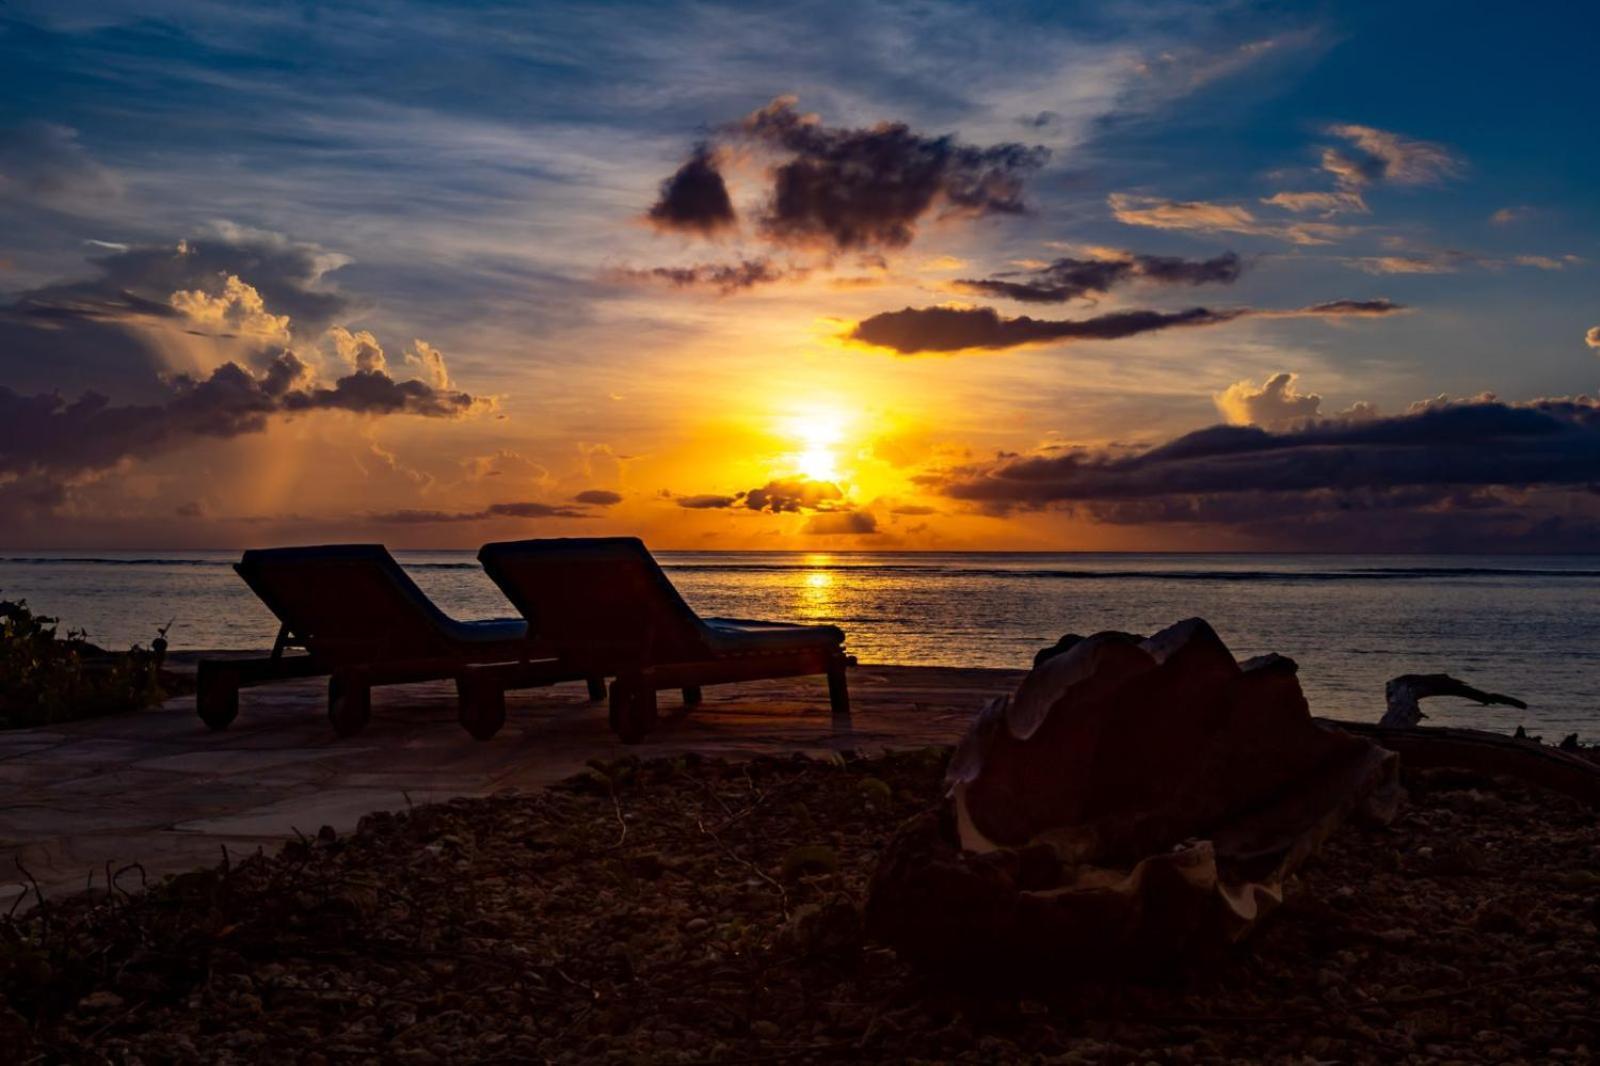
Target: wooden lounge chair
361, 620
607, 609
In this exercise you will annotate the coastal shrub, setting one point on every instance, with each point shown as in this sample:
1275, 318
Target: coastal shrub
46, 676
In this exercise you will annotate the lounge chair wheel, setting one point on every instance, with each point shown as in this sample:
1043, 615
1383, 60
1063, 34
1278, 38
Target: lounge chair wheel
482, 708
692, 695
349, 704
597, 689
633, 711
216, 699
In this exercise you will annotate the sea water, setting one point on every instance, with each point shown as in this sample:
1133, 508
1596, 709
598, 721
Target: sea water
1523, 625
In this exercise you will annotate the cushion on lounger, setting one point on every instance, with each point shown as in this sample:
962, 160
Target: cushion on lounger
727, 636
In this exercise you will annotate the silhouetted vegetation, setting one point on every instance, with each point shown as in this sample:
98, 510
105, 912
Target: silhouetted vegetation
46, 676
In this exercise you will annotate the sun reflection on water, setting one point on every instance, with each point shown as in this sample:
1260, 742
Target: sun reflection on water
818, 597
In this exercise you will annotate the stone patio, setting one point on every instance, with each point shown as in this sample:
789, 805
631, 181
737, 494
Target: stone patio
159, 789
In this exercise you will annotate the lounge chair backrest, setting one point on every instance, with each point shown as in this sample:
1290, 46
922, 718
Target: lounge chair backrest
346, 602
596, 597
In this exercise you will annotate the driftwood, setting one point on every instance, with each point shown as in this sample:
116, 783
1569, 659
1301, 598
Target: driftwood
1405, 693
1430, 747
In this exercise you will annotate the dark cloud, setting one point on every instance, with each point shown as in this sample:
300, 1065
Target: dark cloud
373, 392
599, 497
792, 494
1423, 470
1349, 307
724, 277
951, 329
706, 502
780, 496
49, 434
534, 510
833, 523
1069, 279
848, 189
99, 333
695, 198
410, 517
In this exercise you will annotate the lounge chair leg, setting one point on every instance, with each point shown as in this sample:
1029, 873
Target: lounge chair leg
216, 695
692, 696
633, 709
838, 688
597, 689
481, 706
349, 702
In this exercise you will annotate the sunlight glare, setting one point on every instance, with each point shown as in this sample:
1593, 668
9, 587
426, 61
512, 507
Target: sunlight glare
819, 431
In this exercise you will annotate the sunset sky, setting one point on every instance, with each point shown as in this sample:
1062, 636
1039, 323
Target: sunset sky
800, 276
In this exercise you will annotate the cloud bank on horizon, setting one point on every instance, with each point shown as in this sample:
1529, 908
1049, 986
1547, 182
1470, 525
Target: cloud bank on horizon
660, 269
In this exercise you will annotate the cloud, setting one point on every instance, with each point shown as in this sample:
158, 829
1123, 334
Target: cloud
115, 330
841, 189
789, 495
1380, 156
1451, 261
360, 351
1507, 215
1068, 279
1407, 264
1274, 403
695, 198
48, 434
706, 502
952, 329
726, 278
1545, 262
531, 509
430, 361
837, 523
792, 494
1338, 309
1439, 446
1327, 203
45, 164
236, 310
1592, 338
599, 497
1202, 216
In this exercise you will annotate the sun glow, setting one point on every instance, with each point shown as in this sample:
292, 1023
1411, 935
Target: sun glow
819, 431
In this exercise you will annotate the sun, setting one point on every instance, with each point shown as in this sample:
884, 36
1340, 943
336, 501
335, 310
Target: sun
818, 431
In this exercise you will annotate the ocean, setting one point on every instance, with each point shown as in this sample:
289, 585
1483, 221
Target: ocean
1528, 626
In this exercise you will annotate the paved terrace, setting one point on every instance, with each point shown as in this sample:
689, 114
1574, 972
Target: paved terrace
159, 789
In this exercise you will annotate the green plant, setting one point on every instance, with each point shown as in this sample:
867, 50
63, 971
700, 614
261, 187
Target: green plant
49, 677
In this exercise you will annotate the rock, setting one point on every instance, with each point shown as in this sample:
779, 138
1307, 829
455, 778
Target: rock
100, 1001
1060, 646
1136, 802
809, 859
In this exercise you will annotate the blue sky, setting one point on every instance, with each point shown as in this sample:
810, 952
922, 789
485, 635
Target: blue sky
468, 185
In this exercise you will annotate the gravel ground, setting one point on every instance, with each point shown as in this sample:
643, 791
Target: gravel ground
699, 911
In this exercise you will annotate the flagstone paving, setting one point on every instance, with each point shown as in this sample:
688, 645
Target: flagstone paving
158, 789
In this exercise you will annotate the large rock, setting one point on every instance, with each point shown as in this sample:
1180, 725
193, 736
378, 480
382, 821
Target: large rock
1135, 803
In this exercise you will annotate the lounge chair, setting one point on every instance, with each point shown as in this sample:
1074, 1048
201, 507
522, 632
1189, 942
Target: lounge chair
362, 620
607, 609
